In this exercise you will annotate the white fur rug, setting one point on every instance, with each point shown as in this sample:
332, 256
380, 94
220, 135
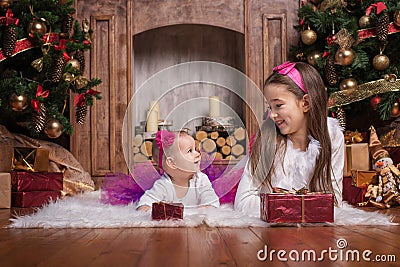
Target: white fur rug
86, 211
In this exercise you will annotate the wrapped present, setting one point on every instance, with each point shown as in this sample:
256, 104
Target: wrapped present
5, 190
362, 178
356, 158
36, 181
33, 198
30, 159
352, 194
296, 208
166, 211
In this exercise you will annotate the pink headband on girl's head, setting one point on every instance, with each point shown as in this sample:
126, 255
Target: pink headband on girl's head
288, 69
164, 139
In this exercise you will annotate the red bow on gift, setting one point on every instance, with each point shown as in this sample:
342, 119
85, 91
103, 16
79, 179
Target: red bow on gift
8, 19
63, 47
79, 100
40, 95
379, 8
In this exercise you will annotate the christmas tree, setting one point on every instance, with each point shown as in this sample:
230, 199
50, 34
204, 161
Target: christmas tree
42, 62
355, 46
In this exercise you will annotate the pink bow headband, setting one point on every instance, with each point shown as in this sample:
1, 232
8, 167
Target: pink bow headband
164, 139
288, 69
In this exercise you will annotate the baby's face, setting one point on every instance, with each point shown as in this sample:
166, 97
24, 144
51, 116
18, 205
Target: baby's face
185, 155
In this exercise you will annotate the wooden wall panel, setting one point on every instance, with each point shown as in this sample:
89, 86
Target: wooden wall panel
274, 42
158, 13
259, 16
103, 113
97, 144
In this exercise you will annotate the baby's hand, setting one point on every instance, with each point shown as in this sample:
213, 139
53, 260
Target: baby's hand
144, 208
207, 207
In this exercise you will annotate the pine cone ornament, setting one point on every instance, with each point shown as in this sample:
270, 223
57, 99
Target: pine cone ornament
57, 69
341, 116
330, 72
80, 56
9, 40
382, 27
67, 25
80, 114
39, 118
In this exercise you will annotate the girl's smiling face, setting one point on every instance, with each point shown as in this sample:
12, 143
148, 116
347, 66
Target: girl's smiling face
288, 112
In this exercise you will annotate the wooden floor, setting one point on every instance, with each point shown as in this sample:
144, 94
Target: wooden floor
202, 246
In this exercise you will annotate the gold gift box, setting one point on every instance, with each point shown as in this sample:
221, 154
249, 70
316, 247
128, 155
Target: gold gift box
362, 178
30, 159
356, 158
5, 190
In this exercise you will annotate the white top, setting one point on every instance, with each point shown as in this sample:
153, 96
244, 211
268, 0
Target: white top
200, 192
299, 167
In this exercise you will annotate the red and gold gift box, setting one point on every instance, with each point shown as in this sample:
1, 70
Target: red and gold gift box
33, 198
30, 159
356, 158
5, 190
351, 193
297, 208
362, 178
166, 211
36, 181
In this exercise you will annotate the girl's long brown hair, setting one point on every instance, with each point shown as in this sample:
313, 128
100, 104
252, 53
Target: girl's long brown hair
265, 148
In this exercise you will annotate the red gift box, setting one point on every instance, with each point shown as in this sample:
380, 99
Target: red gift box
36, 181
33, 198
351, 193
296, 208
166, 211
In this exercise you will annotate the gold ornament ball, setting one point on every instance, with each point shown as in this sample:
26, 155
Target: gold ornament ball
380, 62
308, 37
37, 25
18, 102
68, 77
396, 18
313, 57
348, 84
5, 4
75, 65
63, 2
364, 21
81, 82
390, 77
395, 110
53, 128
345, 56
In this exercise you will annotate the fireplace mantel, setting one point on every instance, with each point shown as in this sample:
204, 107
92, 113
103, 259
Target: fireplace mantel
265, 28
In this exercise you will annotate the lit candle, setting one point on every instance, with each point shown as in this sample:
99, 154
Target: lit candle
214, 106
152, 121
155, 105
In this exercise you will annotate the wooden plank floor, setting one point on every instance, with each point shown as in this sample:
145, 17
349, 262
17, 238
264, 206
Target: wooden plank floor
201, 246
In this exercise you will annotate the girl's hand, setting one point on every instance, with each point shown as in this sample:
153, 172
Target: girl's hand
144, 208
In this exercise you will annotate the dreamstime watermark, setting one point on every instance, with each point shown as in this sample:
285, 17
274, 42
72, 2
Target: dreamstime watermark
340, 253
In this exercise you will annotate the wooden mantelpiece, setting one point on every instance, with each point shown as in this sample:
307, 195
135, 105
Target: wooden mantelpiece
266, 27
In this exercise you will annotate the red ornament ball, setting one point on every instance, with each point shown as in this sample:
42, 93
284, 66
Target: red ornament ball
375, 101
